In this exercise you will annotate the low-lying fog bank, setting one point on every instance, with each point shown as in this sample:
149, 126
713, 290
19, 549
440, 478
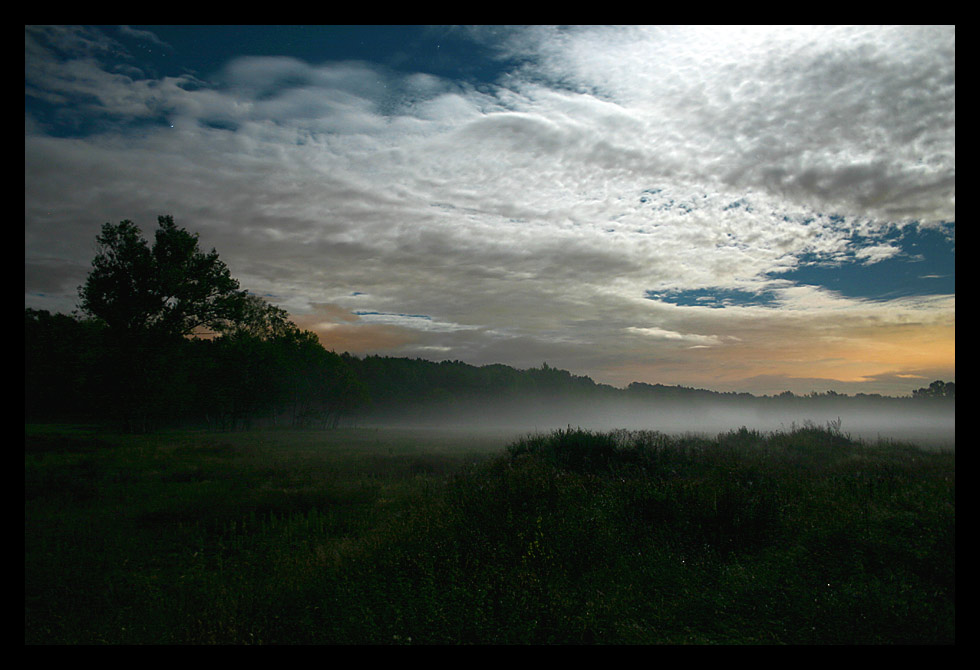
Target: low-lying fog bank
928, 425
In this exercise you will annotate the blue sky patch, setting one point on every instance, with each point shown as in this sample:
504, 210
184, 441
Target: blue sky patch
714, 297
925, 265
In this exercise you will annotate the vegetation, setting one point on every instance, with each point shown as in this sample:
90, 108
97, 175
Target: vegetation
263, 371
168, 339
388, 537
937, 389
171, 289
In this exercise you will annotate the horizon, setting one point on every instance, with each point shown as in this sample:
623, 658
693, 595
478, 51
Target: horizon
812, 393
735, 209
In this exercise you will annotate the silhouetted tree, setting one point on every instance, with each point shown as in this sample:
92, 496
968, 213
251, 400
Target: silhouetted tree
262, 319
937, 389
172, 288
149, 298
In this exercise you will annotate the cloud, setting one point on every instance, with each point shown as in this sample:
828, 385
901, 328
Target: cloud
876, 253
42, 42
848, 117
531, 214
144, 36
691, 339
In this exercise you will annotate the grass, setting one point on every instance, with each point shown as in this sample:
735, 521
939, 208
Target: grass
411, 537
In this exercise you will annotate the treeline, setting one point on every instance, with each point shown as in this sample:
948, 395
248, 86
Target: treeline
267, 374
418, 389
77, 370
166, 337
278, 375
937, 389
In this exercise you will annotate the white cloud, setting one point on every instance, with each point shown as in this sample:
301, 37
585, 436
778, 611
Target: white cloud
876, 253
833, 117
687, 338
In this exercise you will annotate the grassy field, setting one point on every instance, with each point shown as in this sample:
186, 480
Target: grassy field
431, 537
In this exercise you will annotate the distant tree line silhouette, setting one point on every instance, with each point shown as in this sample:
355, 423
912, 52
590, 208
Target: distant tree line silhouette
285, 377
937, 389
167, 338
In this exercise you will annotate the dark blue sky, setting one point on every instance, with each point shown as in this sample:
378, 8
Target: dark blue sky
154, 52
437, 50
925, 265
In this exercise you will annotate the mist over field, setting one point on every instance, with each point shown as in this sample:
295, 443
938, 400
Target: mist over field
928, 425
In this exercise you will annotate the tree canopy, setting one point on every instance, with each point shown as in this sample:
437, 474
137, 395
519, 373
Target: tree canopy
172, 289
937, 389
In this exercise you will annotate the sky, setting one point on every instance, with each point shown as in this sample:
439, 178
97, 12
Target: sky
736, 208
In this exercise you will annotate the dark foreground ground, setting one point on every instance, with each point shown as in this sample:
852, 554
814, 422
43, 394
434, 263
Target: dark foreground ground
432, 537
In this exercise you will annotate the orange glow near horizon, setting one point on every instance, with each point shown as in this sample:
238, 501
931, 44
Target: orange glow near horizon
768, 356
904, 351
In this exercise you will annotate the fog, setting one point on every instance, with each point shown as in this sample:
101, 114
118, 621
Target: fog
925, 424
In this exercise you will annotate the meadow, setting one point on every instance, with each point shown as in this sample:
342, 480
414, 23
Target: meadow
387, 536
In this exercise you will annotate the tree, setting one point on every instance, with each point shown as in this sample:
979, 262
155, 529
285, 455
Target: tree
173, 289
260, 319
150, 299
937, 389
246, 373
317, 385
